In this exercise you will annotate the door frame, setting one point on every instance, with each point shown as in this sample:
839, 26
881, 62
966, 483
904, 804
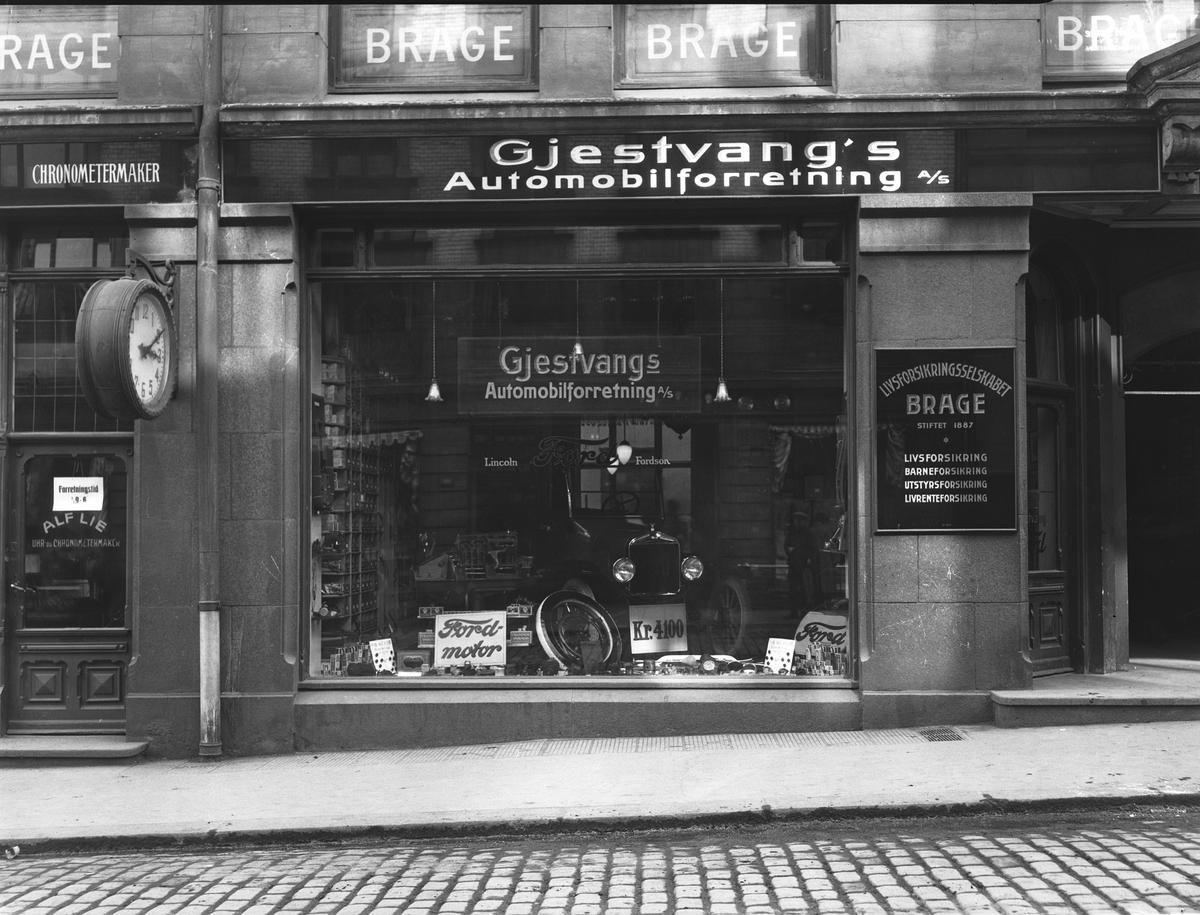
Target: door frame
15, 451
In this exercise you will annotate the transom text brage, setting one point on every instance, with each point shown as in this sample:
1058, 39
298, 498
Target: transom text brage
473, 43
69, 52
695, 40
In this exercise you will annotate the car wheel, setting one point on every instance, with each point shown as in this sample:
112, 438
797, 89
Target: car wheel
565, 619
728, 609
578, 584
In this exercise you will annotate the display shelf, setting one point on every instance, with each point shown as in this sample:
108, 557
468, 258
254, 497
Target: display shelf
348, 560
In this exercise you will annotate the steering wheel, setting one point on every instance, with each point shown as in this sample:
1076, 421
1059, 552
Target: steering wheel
625, 502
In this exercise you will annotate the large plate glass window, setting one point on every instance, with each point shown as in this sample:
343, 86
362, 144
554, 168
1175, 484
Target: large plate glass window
722, 44
578, 469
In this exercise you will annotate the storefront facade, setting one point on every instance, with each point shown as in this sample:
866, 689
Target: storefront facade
589, 371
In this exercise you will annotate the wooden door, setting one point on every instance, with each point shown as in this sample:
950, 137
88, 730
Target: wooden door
67, 625
1050, 605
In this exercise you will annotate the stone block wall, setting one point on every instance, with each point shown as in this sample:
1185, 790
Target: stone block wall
942, 616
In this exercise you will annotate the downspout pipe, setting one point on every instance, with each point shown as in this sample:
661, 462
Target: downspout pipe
208, 204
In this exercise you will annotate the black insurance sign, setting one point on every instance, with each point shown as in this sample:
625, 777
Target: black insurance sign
945, 425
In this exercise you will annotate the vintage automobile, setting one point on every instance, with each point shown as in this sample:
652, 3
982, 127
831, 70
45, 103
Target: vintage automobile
621, 588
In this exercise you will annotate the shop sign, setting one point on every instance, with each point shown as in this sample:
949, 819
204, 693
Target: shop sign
538, 375
422, 47
104, 172
721, 44
655, 628
84, 494
685, 164
62, 51
477, 639
1103, 40
946, 439
697, 165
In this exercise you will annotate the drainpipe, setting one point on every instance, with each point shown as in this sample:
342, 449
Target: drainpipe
208, 191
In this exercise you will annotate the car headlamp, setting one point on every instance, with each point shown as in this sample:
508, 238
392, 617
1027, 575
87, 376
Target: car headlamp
623, 570
691, 567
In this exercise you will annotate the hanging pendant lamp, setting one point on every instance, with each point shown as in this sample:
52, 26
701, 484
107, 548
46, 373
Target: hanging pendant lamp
722, 395
577, 349
434, 395
624, 450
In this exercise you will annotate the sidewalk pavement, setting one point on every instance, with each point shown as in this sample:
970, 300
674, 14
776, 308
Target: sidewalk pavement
543, 785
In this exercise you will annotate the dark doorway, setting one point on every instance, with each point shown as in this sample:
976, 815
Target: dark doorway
1162, 444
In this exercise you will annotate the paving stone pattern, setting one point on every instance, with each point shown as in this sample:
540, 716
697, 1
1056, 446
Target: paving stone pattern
1144, 869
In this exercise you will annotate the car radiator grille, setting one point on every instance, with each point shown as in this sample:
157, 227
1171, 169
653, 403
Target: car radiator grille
657, 567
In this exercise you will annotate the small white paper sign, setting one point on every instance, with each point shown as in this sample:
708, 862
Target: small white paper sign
470, 638
655, 628
779, 655
78, 494
383, 655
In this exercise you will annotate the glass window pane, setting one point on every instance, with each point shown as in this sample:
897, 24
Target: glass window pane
471, 459
46, 395
74, 573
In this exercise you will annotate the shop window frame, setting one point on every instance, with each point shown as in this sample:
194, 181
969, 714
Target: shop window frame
12, 274
792, 216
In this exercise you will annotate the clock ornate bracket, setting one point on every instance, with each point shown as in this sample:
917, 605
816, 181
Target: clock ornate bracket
162, 274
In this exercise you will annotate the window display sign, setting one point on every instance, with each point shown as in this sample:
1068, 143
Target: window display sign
84, 494
538, 375
946, 439
422, 47
657, 627
1103, 40
477, 639
60, 51
722, 44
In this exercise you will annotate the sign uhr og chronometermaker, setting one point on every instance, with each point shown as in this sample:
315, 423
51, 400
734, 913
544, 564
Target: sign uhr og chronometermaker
945, 427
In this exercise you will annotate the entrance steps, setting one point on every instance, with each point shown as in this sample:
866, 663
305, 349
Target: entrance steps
89, 747
1152, 689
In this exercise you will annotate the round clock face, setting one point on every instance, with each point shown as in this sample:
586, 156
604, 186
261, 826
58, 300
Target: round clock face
125, 349
149, 352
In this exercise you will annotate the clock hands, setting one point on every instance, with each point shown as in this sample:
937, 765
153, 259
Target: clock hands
147, 349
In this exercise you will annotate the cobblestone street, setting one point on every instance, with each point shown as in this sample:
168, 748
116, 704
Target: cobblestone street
1122, 863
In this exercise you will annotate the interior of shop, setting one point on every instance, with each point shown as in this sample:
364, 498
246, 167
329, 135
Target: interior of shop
640, 471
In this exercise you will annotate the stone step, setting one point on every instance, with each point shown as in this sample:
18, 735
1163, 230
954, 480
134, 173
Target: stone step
82, 746
1150, 690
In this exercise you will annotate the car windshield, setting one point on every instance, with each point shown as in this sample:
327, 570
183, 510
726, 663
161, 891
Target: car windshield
644, 470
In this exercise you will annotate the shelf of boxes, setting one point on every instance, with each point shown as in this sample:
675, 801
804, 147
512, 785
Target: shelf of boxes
349, 555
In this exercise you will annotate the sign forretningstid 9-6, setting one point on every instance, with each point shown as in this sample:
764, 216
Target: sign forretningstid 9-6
945, 429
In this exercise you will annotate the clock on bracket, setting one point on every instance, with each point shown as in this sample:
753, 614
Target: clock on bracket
126, 349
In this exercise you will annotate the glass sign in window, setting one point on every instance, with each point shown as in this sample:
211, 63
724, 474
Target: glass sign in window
720, 44
58, 51
427, 47
1094, 41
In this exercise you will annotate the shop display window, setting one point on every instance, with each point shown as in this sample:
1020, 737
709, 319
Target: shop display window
548, 473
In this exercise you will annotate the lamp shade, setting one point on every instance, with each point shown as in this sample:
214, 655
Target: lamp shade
624, 452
